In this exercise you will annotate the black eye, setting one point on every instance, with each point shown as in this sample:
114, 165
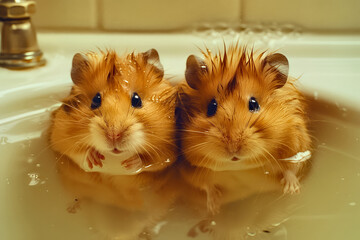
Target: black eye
96, 101
136, 101
212, 107
253, 105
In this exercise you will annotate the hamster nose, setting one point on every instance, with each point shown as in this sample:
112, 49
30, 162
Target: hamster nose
114, 136
234, 147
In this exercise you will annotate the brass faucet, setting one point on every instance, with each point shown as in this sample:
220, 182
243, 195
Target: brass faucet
19, 48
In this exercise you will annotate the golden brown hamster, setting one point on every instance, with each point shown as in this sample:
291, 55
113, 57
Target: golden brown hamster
239, 115
115, 131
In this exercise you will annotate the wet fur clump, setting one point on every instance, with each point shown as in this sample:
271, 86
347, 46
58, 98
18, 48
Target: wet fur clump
224, 152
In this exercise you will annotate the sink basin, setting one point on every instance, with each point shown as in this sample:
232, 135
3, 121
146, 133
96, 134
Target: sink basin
33, 203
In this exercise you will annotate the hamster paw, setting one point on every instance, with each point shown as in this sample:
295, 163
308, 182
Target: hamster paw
132, 163
213, 199
290, 183
94, 158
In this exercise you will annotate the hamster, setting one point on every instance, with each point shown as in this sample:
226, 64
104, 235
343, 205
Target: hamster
239, 116
114, 133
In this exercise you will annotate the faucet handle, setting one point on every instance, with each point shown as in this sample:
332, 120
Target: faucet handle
19, 48
10, 9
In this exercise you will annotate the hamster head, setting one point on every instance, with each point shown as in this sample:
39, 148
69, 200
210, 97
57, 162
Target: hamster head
119, 104
238, 108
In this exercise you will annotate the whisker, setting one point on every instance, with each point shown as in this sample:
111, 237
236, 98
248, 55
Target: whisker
68, 150
77, 109
136, 152
154, 148
256, 120
247, 124
56, 142
149, 145
193, 131
162, 139
275, 160
195, 147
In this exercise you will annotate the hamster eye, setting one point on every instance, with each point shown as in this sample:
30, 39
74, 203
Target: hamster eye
212, 107
253, 105
96, 101
136, 101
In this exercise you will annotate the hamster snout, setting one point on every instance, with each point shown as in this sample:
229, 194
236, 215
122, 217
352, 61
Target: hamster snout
128, 135
113, 135
234, 147
115, 139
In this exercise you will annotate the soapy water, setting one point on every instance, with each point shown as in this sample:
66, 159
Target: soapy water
34, 179
261, 33
327, 207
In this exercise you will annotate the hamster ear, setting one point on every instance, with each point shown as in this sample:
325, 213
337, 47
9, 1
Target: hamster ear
80, 64
195, 68
152, 57
279, 64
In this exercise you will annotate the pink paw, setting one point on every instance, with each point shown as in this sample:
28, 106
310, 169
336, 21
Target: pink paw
290, 183
94, 158
132, 163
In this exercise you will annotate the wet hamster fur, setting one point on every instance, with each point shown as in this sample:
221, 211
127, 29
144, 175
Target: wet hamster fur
114, 133
239, 114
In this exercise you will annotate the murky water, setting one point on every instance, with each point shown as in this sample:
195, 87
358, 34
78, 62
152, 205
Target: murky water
33, 204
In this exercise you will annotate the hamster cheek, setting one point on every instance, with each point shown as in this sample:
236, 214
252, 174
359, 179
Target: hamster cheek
255, 145
97, 135
217, 144
136, 137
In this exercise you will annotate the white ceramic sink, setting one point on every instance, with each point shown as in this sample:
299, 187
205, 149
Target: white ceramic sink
33, 203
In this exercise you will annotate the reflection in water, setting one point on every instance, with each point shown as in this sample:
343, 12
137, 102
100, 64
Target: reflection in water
34, 179
327, 208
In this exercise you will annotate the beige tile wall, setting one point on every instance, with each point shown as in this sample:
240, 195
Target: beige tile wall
166, 14
150, 15
309, 14
66, 14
